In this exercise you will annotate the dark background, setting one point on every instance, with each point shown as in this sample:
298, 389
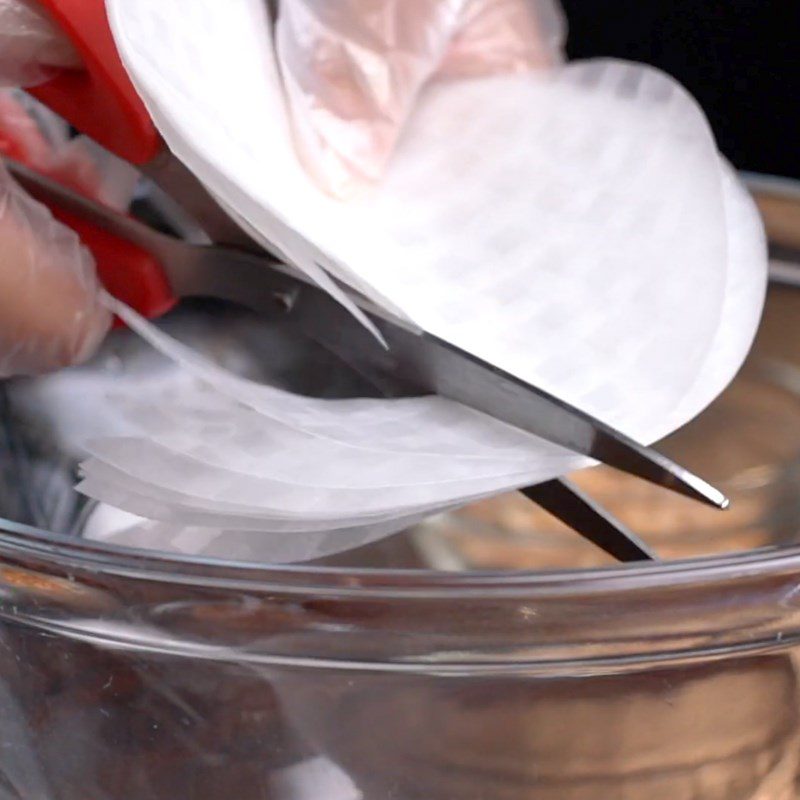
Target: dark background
739, 58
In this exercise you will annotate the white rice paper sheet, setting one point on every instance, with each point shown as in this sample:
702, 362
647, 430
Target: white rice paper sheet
576, 228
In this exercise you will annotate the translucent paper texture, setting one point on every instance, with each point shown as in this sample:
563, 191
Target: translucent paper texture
575, 227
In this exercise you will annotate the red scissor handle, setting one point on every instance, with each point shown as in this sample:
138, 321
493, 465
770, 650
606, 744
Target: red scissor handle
127, 271
101, 102
100, 99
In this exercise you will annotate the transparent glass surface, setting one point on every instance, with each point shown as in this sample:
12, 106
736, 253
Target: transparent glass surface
431, 666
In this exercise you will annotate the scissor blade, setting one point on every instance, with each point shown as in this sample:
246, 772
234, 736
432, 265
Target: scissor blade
566, 502
433, 365
424, 362
486, 388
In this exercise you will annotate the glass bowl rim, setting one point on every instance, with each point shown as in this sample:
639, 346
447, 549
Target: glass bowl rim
70, 553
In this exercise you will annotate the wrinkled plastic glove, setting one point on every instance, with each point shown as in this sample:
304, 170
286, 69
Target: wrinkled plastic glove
353, 69
50, 314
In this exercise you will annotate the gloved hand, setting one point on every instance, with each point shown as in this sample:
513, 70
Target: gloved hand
50, 315
353, 70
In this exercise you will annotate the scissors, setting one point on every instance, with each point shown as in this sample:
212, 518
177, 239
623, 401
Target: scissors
151, 271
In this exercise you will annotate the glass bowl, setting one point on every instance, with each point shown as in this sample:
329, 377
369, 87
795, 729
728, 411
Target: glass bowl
423, 667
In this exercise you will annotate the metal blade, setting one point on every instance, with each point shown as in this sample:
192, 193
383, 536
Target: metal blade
566, 502
433, 365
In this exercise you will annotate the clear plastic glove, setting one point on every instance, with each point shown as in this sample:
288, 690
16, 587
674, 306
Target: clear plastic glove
30, 44
50, 315
353, 69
